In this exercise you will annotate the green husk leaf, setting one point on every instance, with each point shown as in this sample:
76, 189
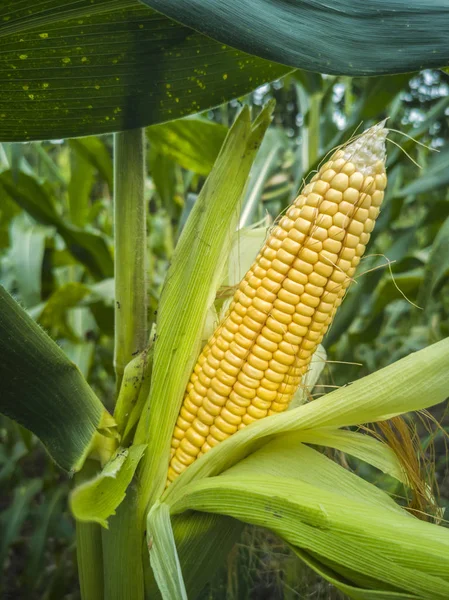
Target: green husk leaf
192, 143
189, 290
401, 552
418, 381
45, 392
96, 500
163, 555
359, 445
90, 68
353, 592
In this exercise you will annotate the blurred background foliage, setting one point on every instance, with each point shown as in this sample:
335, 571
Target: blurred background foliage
56, 258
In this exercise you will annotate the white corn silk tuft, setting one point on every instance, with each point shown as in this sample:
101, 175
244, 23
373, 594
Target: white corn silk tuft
368, 149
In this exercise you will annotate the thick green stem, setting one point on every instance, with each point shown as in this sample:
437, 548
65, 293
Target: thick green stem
89, 549
131, 330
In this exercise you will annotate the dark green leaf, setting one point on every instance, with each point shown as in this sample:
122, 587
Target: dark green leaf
346, 37
13, 518
42, 390
435, 176
89, 248
192, 143
437, 268
70, 69
94, 150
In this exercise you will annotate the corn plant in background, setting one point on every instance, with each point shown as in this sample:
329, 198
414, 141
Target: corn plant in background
191, 443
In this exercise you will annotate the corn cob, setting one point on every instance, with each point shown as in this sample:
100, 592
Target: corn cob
254, 362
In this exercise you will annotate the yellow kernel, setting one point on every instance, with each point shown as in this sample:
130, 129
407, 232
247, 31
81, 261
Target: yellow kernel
377, 198
316, 279
274, 376
338, 276
356, 180
297, 236
204, 416
219, 387
273, 324
265, 395
320, 187
251, 372
188, 447
311, 301
349, 168
256, 413
261, 353
296, 329
328, 208
324, 221
235, 409
264, 263
369, 225
244, 390
248, 382
291, 286
381, 182
360, 250
265, 294
341, 220
373, 212
230, 417
336, 233
262, 305
328, 174
251, 325
199, 387
333, 196
309, 213
190, 405
274, 276
217, 399
347, 253
266, 344
273, 242
239, 400
284, 307
313, 200
230, 369
320, 316
302, 309
282, 267
351, 195
221, 430
303, 225
285, 256
257, 363
282, 316
369, 185
337, 165
284, 358
313, 290
308, 256
340, 182
260, 404
272, 336
246, 300
331, 245
355, 227
268, 253
365, 201
288, 297
200, 427
195, 438
244, 337
269, 385
344, 265
324, 270
346, 209
248, 419
290, 339
289, 248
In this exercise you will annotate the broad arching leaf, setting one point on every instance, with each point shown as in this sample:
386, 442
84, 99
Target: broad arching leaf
89, 67
342, 37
